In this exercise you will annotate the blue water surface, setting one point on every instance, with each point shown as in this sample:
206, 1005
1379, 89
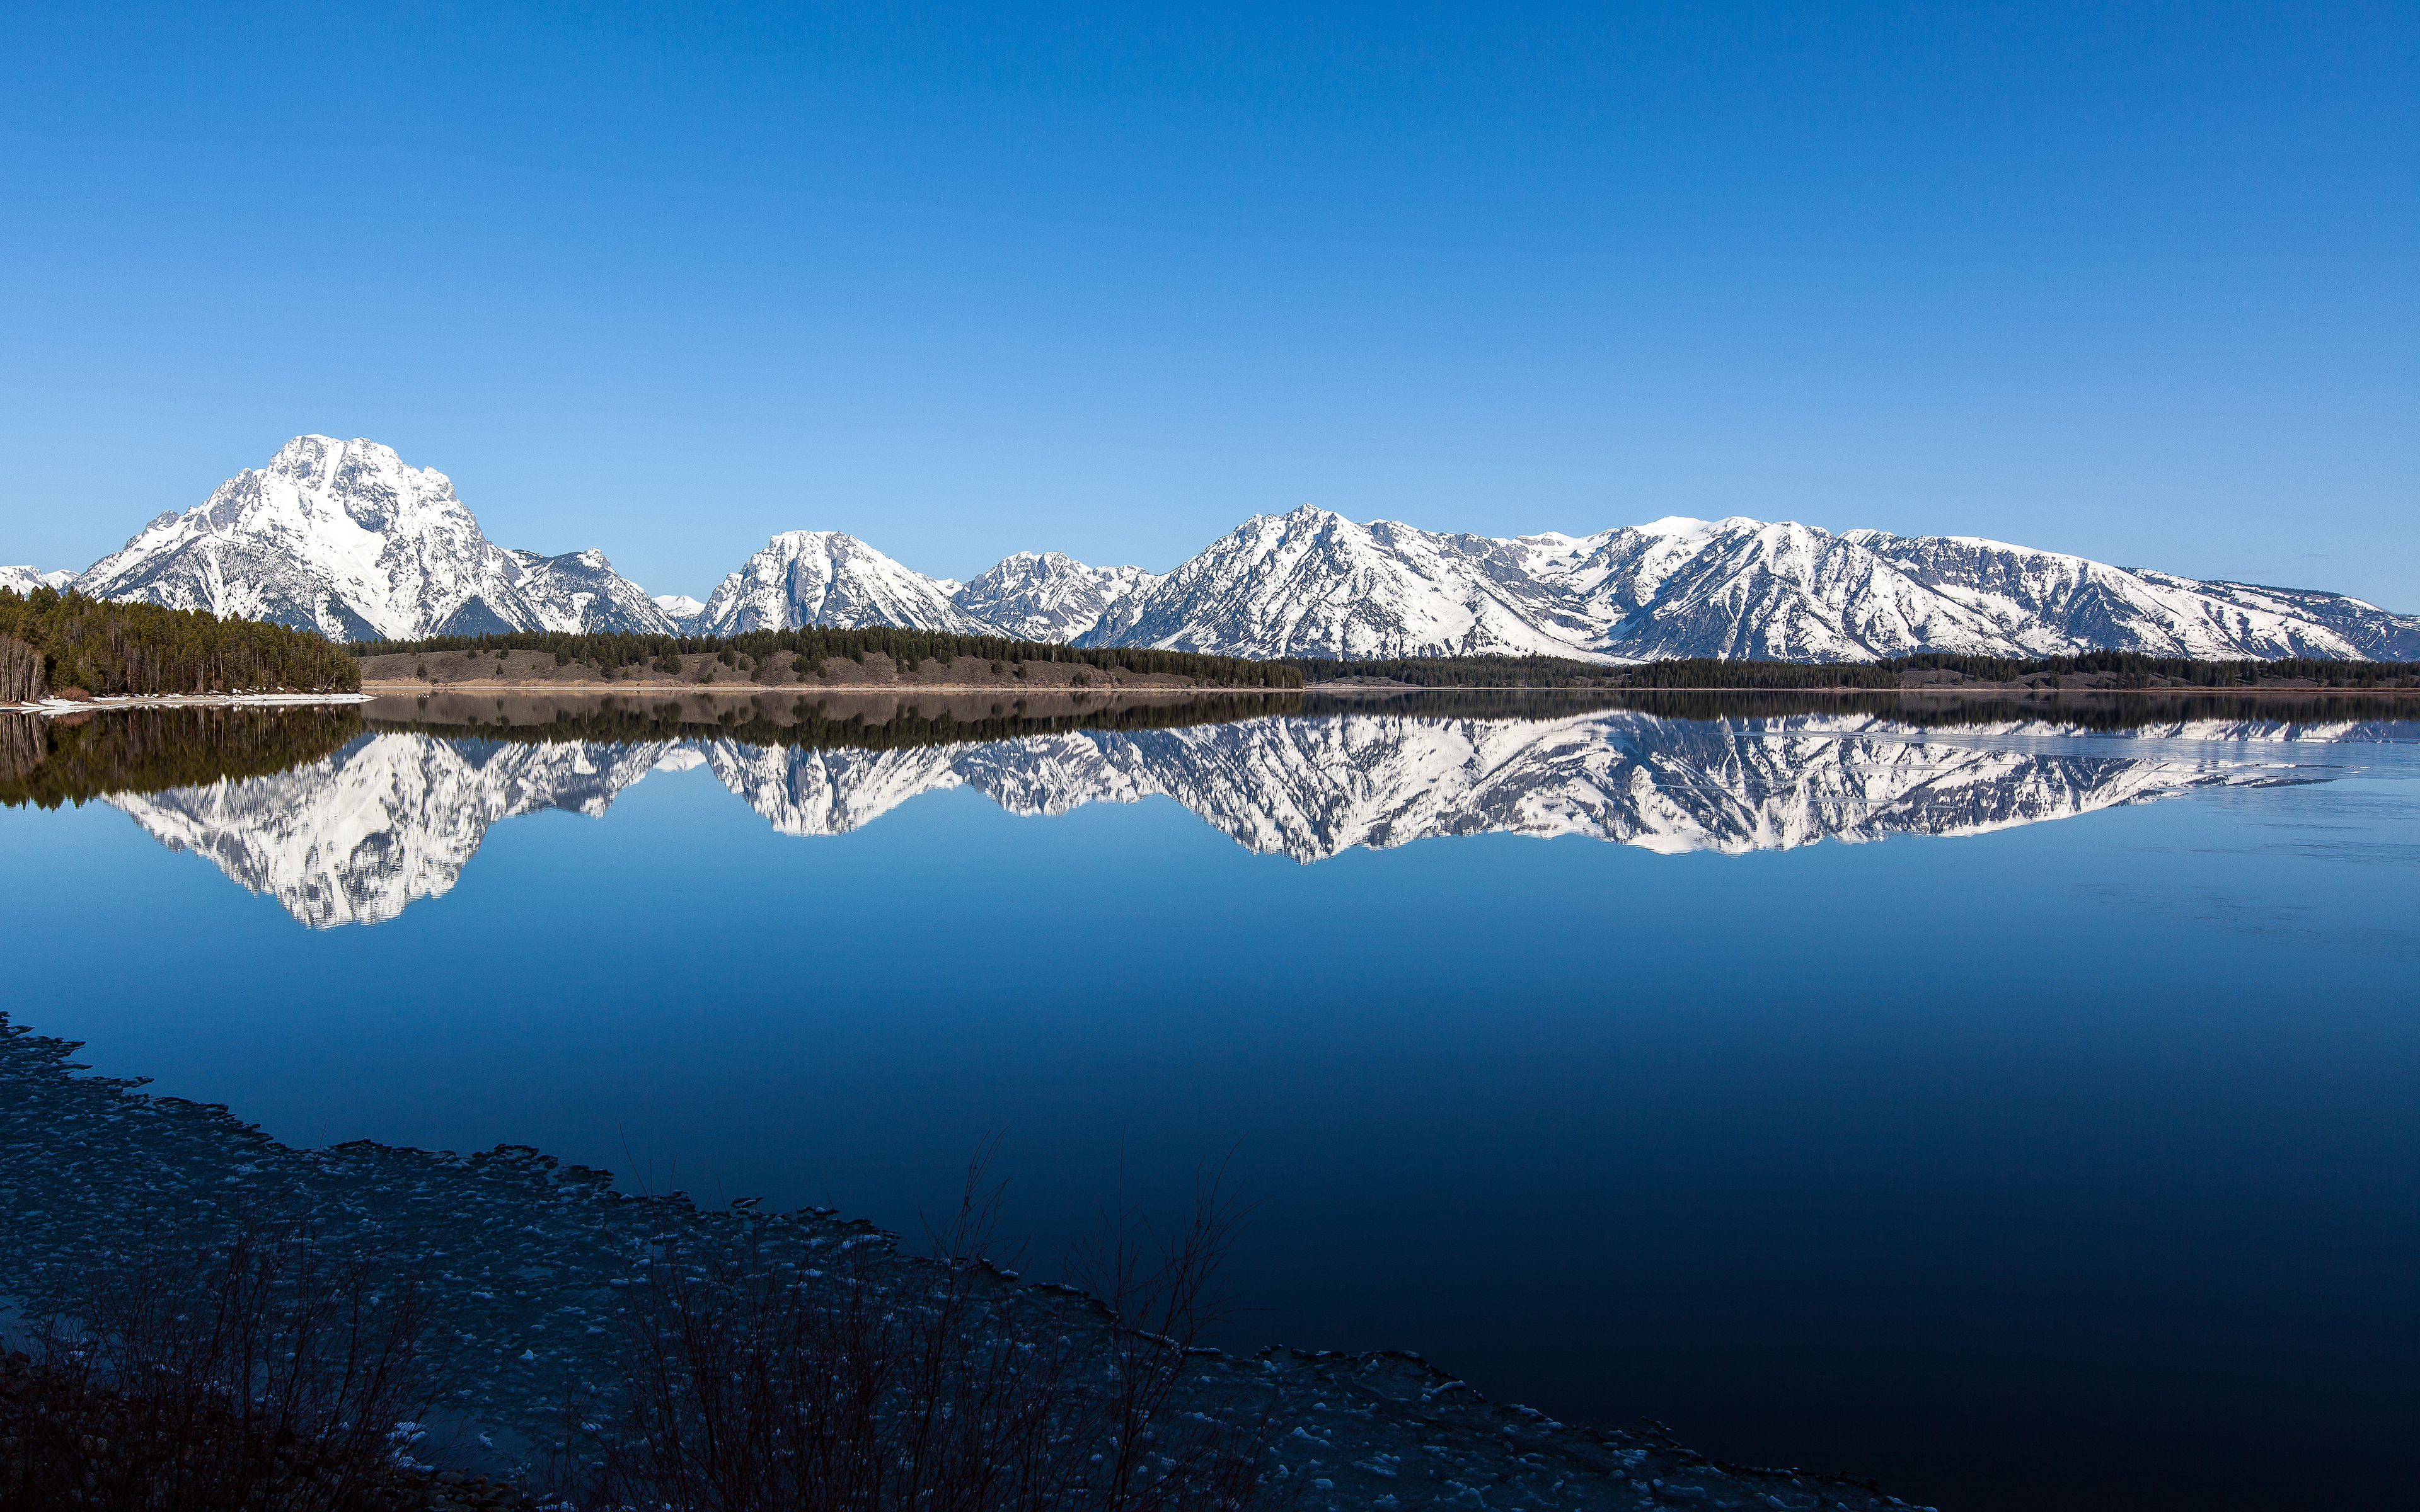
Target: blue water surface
2075, 1162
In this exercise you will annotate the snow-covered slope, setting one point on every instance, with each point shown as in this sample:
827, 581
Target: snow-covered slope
579, 591
345, 538
25, 579
681, 609
2045, 596
1049, 596
825, 578
1312, 583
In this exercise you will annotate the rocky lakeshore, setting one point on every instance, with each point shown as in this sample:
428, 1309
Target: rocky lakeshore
528, 1262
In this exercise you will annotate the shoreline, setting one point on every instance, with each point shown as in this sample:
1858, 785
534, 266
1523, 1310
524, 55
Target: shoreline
2187, 689
371, 691
415, 688
1385, 1421
56, 706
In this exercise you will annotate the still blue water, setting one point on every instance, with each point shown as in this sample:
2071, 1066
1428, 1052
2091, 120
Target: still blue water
2075, 1162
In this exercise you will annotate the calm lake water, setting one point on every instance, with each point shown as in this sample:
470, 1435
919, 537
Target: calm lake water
2019, 1112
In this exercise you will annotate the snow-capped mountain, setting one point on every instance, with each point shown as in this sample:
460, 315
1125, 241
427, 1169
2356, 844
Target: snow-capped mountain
1313, 583
826, 577
25, 579
1049, 596
345, 538
394, 817
579, 591
681, 609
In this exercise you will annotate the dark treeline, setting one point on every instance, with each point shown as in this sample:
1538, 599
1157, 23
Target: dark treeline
1709, 672
1462, 672
1559, 672
2127, 668
1505, 703
50, 762
2135, 670
68, 640
612, 721
2132, 710
2091, 710
911, 649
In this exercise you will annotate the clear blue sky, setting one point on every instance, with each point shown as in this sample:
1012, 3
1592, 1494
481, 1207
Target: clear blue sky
2140, 282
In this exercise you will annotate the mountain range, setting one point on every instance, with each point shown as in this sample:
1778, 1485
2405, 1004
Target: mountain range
395, 816
347, 538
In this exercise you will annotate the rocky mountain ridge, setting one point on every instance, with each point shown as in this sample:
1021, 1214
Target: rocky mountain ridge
25, 579
344, 537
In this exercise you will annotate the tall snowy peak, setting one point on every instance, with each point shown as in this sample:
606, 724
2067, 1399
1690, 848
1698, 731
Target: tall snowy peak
805, 577
1312, 583
25, 579
1049, 596
346, 538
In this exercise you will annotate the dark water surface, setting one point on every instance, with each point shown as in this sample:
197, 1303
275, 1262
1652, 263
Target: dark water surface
2019, 1113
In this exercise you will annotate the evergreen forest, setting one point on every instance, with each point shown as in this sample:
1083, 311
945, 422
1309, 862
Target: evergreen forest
817, 644
2119, 669
51, 640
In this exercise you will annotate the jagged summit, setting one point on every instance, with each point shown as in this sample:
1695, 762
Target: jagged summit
1049, 596
25, 579
344, 537
1313, 583
347, 538
826, 577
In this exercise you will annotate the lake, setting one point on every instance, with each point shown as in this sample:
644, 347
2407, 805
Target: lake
2013, 1104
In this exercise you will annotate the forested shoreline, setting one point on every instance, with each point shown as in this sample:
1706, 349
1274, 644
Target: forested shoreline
51, 761
51, 642
751, 655
2113, 671
615, 656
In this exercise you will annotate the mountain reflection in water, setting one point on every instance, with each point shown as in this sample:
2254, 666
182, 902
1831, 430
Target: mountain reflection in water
357, 834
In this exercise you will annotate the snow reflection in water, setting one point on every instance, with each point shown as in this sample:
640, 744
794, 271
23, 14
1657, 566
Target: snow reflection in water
392, 817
